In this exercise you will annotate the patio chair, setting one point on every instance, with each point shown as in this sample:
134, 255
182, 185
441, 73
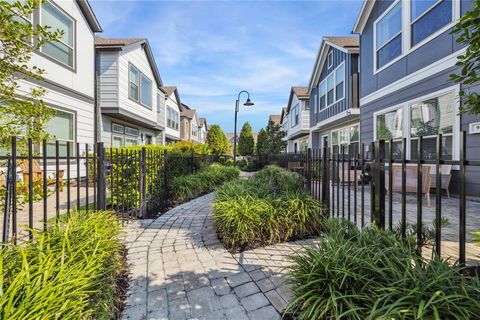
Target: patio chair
295, 166
446, 176
411, 179
37, 173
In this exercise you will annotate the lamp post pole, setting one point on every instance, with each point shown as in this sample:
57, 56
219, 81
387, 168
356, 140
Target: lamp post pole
237, 107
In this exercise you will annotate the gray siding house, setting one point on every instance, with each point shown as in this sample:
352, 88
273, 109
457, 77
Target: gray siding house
333, 90
407, 55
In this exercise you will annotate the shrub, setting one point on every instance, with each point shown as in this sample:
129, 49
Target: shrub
370, 274
190, 186
69, 271
261, 210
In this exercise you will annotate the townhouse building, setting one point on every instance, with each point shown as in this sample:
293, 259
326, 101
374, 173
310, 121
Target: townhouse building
172, 114
202, 130
69, 71
407, 56
130, 99
298, 113
189, 124
333, 90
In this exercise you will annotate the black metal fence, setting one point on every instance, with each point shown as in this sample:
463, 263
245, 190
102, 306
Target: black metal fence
383, 189
39, 184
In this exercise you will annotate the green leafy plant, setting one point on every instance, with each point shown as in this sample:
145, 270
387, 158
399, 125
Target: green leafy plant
370, 274
216, 140
246, 143
187, 187
268, 208
270, 140
69, 271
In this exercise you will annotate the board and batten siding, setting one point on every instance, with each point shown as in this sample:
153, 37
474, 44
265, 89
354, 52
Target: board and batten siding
439, 47
351, 67
135, 55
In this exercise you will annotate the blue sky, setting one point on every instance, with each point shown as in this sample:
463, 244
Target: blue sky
213, 49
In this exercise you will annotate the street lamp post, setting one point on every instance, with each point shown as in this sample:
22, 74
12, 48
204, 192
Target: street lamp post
237, 103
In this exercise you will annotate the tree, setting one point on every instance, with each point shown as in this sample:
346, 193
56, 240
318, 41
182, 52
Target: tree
270, 139
468, 29
21, 115
246, 143
217, 141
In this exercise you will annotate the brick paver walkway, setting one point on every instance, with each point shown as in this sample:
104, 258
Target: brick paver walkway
180, 270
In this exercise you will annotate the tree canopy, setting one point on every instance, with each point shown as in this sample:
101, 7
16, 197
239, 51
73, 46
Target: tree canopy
21, 114
270, 141
468, 31
246, 143
216, 140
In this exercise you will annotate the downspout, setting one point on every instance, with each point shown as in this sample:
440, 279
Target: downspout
96, 99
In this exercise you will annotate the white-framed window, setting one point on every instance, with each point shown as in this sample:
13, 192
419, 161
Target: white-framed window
140, 87
388, 35
117, 128
307, 105
172, 119
118, 141
323, 95
330, 88
194, 130
348, 136
62, 50
407, 25
131, 142
330, 59
61, 127
340, 82
427, 117
428, 16
294, 116
134, 132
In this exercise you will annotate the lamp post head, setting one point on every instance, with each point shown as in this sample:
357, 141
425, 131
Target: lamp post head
248, 103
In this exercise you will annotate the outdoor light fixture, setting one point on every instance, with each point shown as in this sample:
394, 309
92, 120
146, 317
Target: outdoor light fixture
247, 104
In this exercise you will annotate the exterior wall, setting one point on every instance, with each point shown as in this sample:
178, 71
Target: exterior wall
108, 78
161, 114
304, 117
172, 103
185, 129
136, 56
428, 53
67, 89
351, 68
106, 132
193, 122
317, 142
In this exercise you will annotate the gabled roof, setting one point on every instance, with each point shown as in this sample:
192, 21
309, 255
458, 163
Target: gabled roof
203, 122
348, 44
284, 113
363, 15
89, 15
169, 90
188, 113
123, 43
300, 92
275, 118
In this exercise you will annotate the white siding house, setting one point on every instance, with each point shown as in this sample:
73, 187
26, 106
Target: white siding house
130, 98
203, 130
189, 124
172, 114
69, 70
296, 119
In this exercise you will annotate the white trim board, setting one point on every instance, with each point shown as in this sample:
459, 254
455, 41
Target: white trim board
430, 70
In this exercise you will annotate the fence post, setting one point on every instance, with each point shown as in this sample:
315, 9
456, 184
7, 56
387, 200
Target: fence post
101, 185
143, 178
309, 169
325, 182
379, 184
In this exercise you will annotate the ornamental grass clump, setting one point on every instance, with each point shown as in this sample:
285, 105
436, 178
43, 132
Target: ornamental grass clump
70, 271
187, 187
270, 207
371, 274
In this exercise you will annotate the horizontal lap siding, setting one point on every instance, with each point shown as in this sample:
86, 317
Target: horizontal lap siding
108, 78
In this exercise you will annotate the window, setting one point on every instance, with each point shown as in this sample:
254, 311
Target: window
307, 105
194, 130
389, 36
330, 88
339, 82
294, 116
428, 119
140, 87
428, 16
63, 49
172, 119
134, 81
323, 95
346, 136
145, 91
330, 59
117, 128
131, 131
117, 141
389, 126
131, 142
61, 127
